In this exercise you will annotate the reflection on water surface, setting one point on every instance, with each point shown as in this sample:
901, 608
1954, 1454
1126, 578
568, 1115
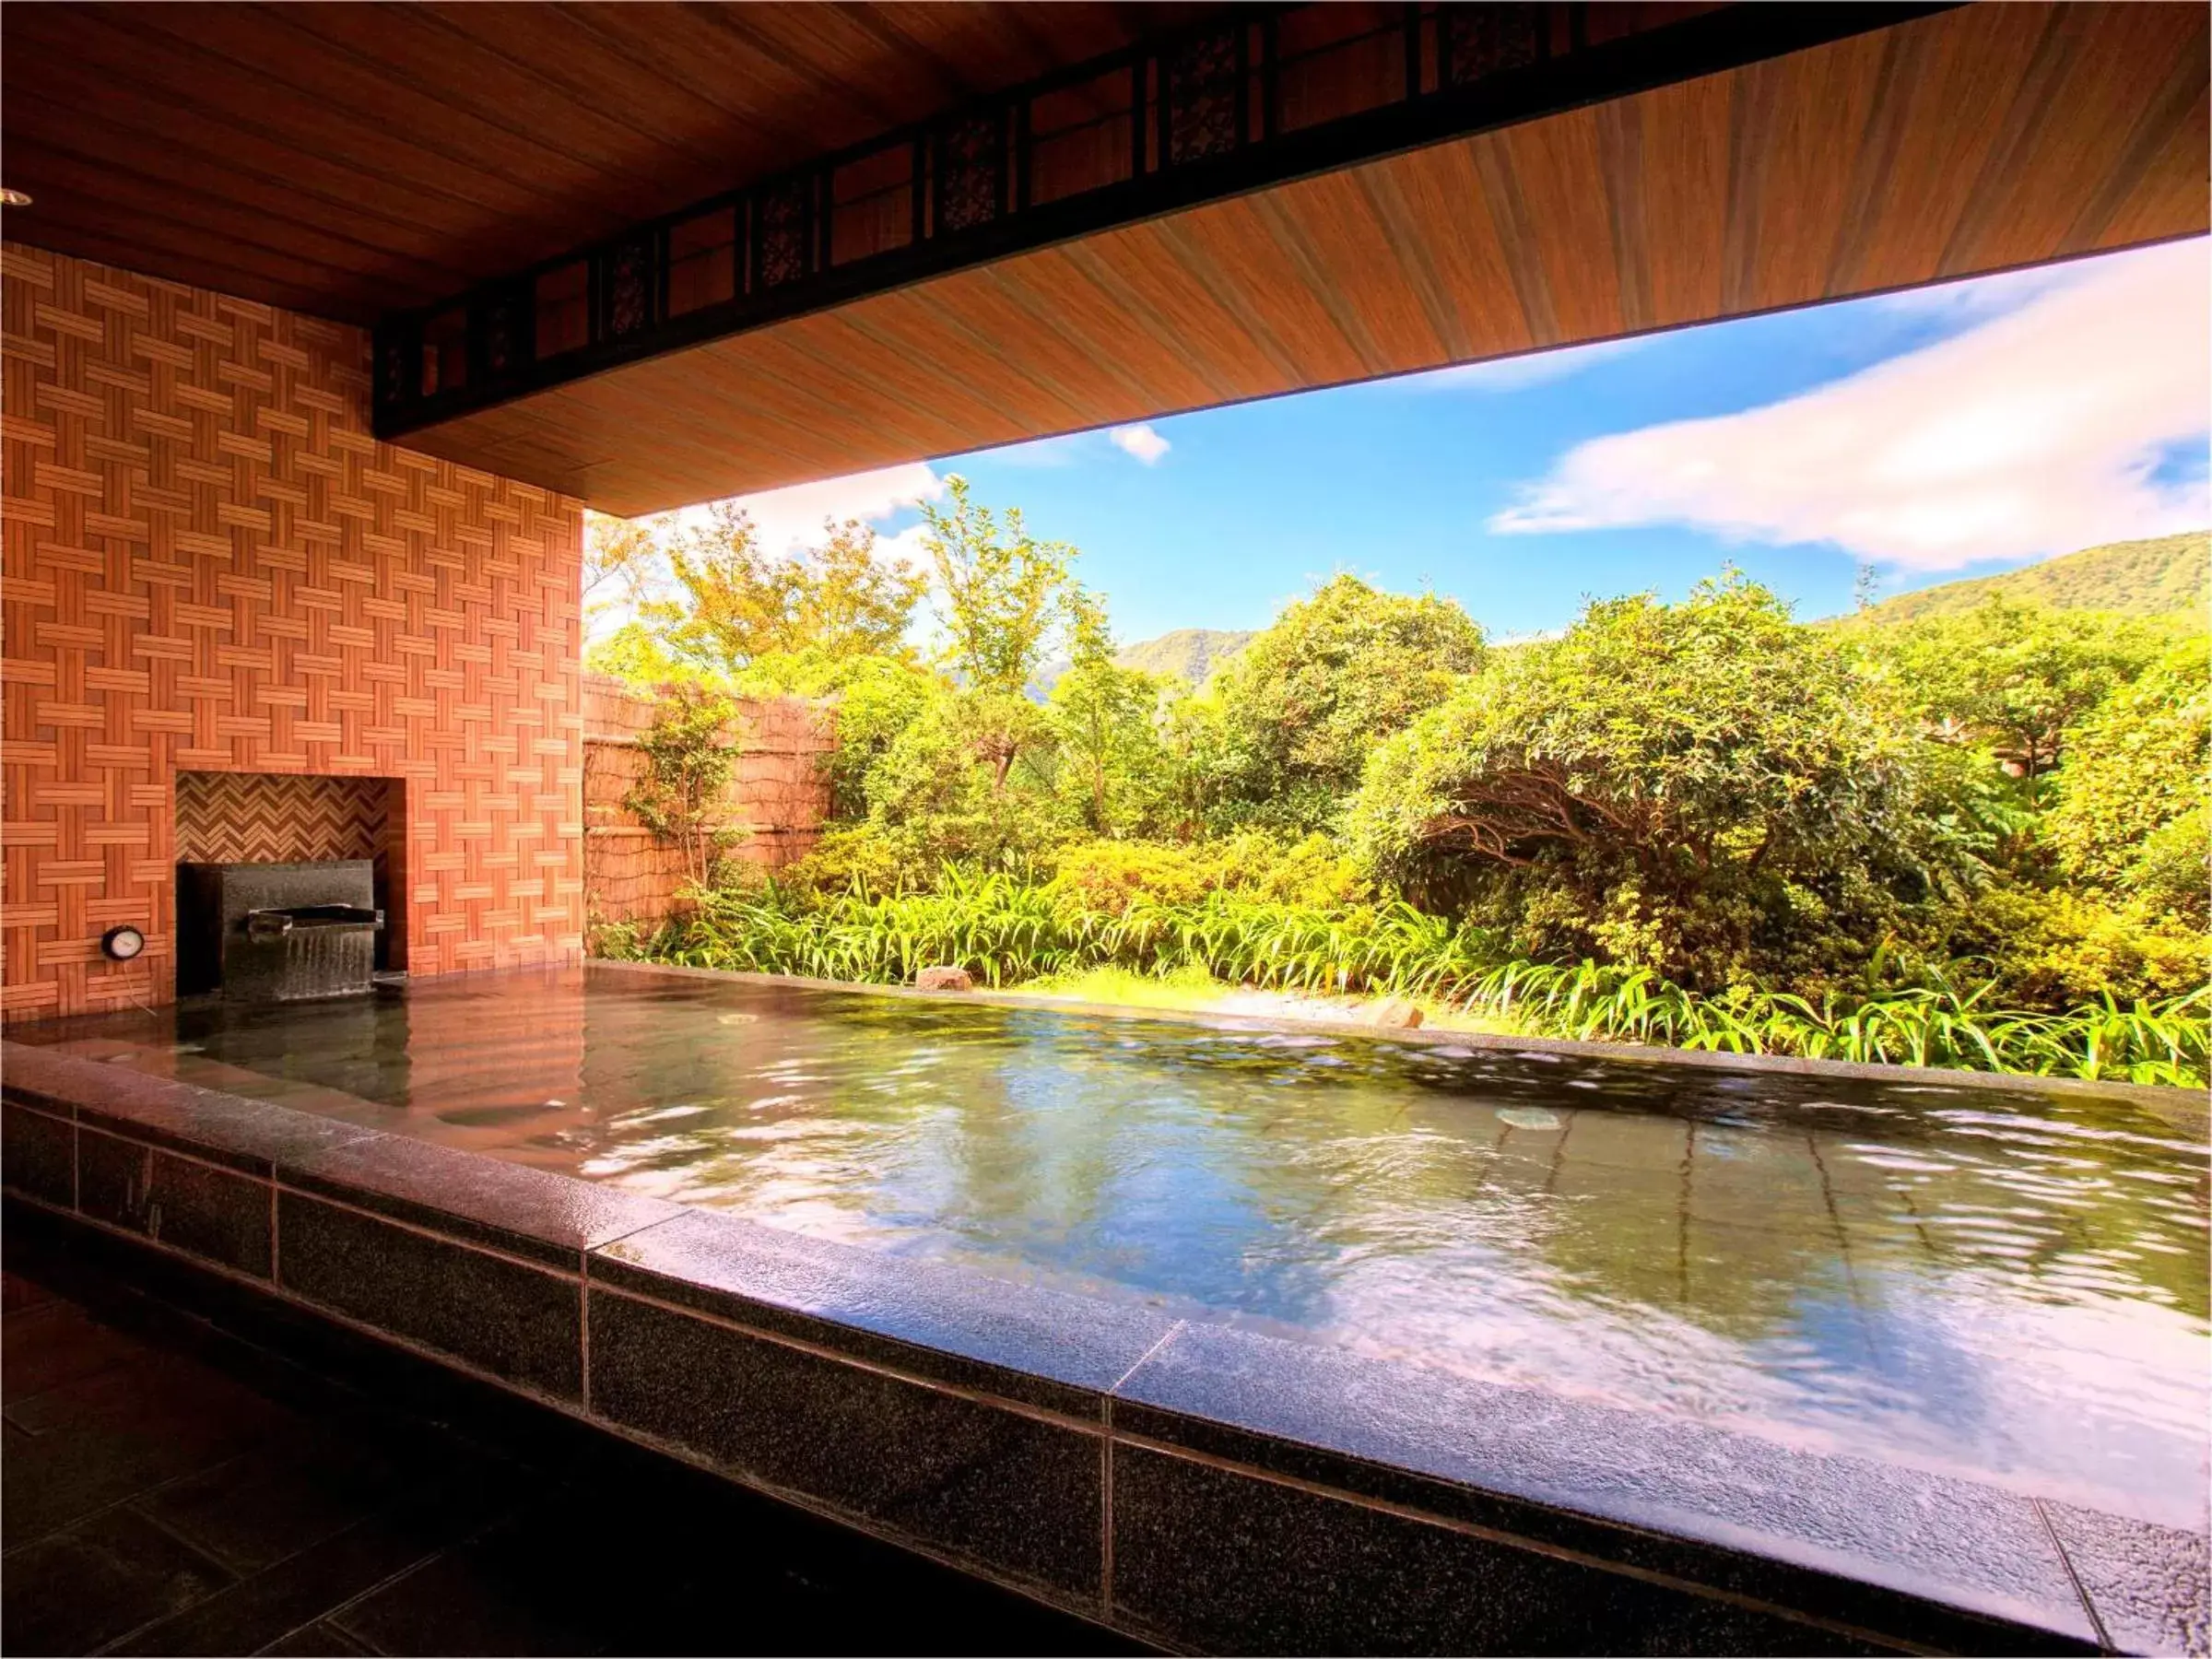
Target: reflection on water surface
2003, 1283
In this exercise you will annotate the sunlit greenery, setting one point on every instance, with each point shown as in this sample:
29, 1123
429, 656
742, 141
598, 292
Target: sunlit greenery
1973, 835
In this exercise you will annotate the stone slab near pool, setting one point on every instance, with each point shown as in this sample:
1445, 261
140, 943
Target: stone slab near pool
1201, 1487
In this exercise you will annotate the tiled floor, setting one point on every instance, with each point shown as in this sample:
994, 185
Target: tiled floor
165, 1494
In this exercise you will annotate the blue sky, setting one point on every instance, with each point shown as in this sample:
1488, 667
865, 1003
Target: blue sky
1939, 434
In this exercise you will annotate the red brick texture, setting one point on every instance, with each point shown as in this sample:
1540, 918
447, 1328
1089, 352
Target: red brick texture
211, 566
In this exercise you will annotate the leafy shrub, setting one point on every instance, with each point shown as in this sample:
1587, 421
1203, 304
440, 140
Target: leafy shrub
1707, 790
2056, 948
965, 782
1110, 875
2131, 809
2015, 677
680, 795
1303, 705
853, 857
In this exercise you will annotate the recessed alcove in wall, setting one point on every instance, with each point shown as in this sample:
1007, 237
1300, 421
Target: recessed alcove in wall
295, 817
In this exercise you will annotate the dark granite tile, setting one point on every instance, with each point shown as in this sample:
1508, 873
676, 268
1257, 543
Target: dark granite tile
286, 1495
38, 1154
19, 1295
249, 1135
1013, 1492
323, 1576
2149, 1584
1213, 1559
1873, 1546
117, 1434
81, 1589
315, 1641
515, 1322
507, 1205
934, 1319
210, 1213
512, 1589
53, 1344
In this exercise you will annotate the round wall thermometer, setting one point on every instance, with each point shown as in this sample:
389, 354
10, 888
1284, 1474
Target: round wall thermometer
122, 944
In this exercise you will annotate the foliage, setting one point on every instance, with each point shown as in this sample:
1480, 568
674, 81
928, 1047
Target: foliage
1113, 771
616, 554
855, 857
1002, 597
637, 654
968, 779
1110, 875
2014, 678
709, 604
1975, 837
1927, 1025
1005, 929
737, 602
2130, 813
681, 794
1704, 789
1008, 930
2053, 947
1301, 707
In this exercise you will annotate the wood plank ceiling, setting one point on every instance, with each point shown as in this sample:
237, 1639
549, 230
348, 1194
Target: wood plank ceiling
1976, 140
350, 159
1979, 139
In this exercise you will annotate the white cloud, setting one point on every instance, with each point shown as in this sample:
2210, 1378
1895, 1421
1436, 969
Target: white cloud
2035, 432
1531, 368
791, 518
1142, 442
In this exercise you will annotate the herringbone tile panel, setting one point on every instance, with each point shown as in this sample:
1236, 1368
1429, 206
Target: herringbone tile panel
276, 818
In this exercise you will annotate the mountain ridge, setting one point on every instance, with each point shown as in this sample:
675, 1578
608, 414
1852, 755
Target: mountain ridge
1190, 654
2155, 577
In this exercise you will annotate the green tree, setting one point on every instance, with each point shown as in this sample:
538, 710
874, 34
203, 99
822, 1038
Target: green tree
1112, 765
734, 603
2014, 678
638, 653
967, 779
1705, 788
619, 555
2131, 815
1303, 705
682, 792
1004, 596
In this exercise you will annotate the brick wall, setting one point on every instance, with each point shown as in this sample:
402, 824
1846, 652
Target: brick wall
778, 797
211, 566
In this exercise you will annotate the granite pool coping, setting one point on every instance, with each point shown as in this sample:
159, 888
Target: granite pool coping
2188, 1108
1201, 1485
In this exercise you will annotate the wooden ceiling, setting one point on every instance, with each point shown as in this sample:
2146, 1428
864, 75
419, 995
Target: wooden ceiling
1976, 140
350, 159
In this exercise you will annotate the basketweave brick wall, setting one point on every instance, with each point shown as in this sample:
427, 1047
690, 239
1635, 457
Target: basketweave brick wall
211, 566
778, 797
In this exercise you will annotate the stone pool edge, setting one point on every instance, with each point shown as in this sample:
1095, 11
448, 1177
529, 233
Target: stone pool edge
2190, 1103
1196, 1487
